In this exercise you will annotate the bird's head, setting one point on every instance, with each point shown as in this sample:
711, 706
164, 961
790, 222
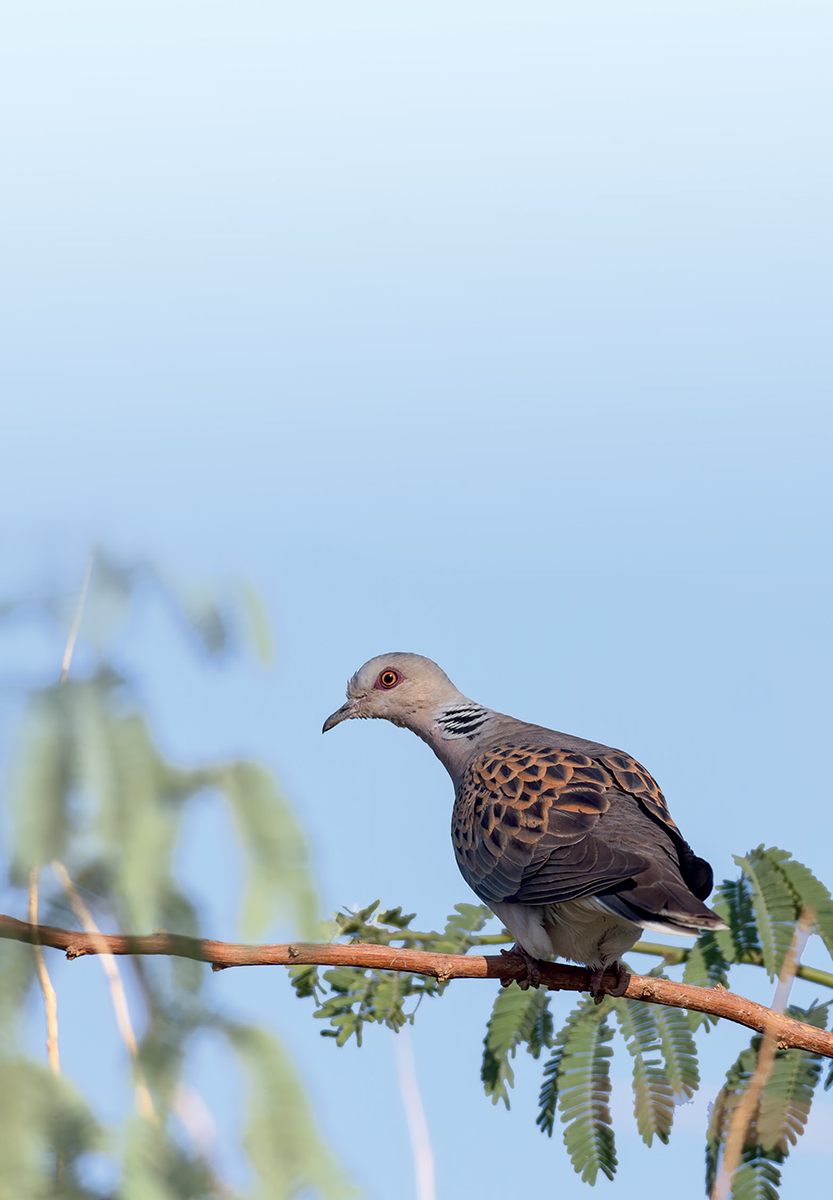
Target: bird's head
406, 689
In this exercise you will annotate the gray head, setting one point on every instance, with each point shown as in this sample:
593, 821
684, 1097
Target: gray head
406, 689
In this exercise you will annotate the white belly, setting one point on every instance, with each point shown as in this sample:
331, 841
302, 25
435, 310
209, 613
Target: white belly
581, 930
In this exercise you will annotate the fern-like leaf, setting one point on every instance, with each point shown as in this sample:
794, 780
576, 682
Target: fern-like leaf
757, 1177
653, 1095
517, 1017
705, 967
679, 1052
664, 1067
733, 902
584, 1093
788, 1093
548, 1097
461, 929
808, 891
737, 1080
779, 1118
774, 904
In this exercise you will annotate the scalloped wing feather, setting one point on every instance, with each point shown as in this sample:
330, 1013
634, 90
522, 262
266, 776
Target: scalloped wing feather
536, 824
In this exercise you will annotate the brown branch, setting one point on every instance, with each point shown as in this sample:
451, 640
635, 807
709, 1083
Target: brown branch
556, 976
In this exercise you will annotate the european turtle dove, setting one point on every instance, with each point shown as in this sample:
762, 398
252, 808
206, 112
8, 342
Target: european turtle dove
569, 842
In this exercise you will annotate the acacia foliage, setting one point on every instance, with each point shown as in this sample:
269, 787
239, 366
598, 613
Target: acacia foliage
89, 787
761, 907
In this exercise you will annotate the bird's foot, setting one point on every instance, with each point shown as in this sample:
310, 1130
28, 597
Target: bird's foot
533, 973
598, 990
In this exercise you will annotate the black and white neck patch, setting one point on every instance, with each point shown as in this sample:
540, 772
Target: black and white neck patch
462, 720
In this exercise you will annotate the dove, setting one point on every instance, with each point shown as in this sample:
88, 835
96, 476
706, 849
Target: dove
569, 842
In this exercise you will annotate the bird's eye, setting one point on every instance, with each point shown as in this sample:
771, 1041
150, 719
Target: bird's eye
388, 679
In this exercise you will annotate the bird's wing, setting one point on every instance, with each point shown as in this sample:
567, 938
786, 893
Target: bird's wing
526, 824
632, 778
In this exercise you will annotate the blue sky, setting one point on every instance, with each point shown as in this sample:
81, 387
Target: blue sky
497, 334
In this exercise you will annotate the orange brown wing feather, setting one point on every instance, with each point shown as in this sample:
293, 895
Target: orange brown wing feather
632, 777
518, 806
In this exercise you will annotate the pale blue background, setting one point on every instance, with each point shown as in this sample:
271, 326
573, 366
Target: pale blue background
498, 333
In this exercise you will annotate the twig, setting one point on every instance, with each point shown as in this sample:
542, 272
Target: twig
557, 976
415, 1115
676, 955
144, 1100
50, 1000
746, 1107
76, 622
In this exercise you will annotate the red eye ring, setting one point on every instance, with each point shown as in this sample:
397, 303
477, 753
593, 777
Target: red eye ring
388, 679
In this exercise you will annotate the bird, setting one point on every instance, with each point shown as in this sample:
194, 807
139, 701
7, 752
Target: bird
569, 842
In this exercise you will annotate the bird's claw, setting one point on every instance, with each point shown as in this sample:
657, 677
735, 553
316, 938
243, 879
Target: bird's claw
598, 990
533, 973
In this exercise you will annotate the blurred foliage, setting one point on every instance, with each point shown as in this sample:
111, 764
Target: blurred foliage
762, 909
89, 787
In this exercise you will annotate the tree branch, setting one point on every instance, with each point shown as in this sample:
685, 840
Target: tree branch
675, 955
556, 976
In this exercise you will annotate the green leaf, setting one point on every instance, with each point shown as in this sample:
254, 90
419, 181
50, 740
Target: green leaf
788, 1093
44, 1121
278, 876
774, 904
201, 612
705, 967
584, 1092
157, 1168
348, 998
780, 1116
733, 902
163, 1047
17, 968
757, 1177
358, 997
177, 912
283, 1144
653, 1093
137, 822
305, 982
461, 928
256, 624
517, 1017
548, 1097
808, 892
42, 772
679, 1052
737, 1080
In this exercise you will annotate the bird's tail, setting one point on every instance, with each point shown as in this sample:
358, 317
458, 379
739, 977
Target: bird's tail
691, 917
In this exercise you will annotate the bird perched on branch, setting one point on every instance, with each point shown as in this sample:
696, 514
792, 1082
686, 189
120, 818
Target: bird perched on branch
569, 842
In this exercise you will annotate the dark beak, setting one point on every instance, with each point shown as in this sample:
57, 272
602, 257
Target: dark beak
344, 713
